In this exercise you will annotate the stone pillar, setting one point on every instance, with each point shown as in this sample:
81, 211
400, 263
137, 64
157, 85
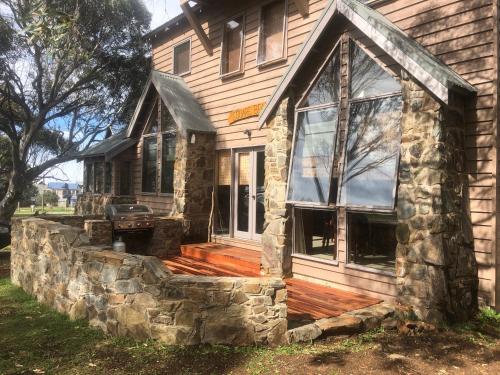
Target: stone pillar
276, 239
435, 264
193, 183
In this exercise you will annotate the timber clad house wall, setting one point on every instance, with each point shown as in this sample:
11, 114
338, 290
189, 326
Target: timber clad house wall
234, 58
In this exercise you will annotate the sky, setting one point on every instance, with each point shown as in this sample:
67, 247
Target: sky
161, 11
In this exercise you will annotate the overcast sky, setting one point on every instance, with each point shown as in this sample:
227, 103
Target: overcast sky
161, 11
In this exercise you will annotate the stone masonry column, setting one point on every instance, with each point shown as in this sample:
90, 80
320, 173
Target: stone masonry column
193, 183
435, 264
276, 239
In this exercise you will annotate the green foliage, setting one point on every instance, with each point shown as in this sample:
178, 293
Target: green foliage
49, 197
28, 195
489, 316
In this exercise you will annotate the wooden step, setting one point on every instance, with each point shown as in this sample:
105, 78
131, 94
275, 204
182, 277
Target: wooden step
223, 255
183, 265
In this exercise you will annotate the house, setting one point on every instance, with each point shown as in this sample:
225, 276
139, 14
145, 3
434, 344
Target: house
66, 191
353, 143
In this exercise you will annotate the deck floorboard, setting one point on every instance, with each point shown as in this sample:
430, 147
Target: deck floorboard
306, 300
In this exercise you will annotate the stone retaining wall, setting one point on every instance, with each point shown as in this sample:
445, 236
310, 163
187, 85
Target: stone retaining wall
137, 296
90, 204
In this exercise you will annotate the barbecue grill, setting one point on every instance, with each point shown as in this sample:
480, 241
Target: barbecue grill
130, 217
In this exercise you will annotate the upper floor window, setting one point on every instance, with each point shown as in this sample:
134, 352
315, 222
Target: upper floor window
182, 58
232, 46
272, 42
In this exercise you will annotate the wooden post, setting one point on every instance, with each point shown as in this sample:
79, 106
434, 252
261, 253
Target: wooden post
195, 24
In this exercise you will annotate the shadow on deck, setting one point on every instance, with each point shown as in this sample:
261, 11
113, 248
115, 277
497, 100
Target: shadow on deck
306, 300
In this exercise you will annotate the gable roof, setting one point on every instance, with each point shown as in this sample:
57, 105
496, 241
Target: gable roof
420, 63
108, 147
180, 102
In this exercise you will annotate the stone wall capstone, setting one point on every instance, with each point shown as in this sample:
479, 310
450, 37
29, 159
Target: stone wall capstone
276, 240
137, 296
435, 264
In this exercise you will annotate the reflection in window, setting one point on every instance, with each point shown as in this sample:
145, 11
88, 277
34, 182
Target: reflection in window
222, 216
316, 233
167, 162
107, 177
315, 137
326, 89
372, 153
372, 240
182, 58
232, 46
272, 32
149, 155
368, 79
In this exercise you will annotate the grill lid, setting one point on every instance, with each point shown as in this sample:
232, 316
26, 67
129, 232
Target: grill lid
119, 211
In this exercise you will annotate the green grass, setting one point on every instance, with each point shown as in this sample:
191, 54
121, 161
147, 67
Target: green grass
26, 211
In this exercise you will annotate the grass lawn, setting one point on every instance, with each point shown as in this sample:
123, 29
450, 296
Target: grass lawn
37, 340
26, 211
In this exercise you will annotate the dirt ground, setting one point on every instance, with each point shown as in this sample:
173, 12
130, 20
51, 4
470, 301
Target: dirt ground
37, 340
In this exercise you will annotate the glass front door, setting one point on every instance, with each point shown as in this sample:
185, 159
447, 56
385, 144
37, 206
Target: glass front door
249, 194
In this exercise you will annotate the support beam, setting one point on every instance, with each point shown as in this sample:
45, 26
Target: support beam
302, 7
195, 24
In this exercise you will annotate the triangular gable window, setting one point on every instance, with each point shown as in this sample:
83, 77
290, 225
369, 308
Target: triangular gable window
152, 121
368, 79
326, 89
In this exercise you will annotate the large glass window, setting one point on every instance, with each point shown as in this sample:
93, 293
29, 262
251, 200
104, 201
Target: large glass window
98, 177
125, 178
316, 233
313, 155
149, 164
272, 32
167, 163
108, 176
232, 46
223, 213
182, 58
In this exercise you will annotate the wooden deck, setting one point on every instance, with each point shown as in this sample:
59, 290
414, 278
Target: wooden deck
306, 300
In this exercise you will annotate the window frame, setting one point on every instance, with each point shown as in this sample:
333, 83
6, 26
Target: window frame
334, 262
241, 67
299, 109
187, 40
174, 136
284, 52
342, 160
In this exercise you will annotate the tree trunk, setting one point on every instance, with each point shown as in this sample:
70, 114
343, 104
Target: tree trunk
9, 201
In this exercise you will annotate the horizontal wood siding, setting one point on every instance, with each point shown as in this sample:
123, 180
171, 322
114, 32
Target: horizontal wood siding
460, 33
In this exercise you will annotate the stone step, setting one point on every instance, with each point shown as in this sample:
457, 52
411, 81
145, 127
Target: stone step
349, 323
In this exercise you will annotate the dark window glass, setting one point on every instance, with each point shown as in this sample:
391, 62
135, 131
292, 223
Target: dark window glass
182, 57
152, 125
99, 177
260, 188
89, 177
167, 121
372, 153
108, 177
167, 162
232, 45
149, 161
125, 177
316, 233
327, 87
367, 77
315, 139
244, 179
372, 240
222, 216
272, 32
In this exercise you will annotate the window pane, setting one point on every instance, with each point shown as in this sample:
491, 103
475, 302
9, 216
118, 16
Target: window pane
231, 49
152, 125
372, 240
182, 55
222, 216
244, 179
99, 177
125, 177
107, 178
272, 31
167, 163
316, 233
260, 208
89, 183
313, 155
327, 87
167, 121
149, 165
367, 77
372, 153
